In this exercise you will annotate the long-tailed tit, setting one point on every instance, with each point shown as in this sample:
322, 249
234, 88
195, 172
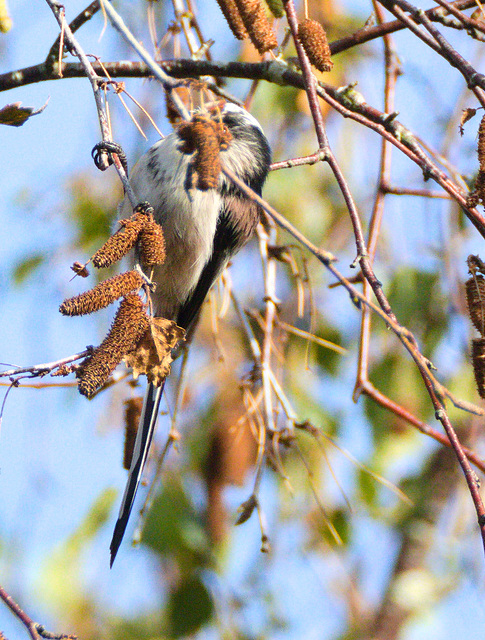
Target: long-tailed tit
203, 229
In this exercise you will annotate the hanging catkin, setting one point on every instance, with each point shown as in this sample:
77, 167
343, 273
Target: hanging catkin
129, 325
314, 40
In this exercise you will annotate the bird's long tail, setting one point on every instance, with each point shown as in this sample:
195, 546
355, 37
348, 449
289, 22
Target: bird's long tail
143, 441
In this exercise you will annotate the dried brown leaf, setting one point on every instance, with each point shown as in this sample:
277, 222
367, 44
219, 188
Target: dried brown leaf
153, 354
15, 115
80, 269
466, 114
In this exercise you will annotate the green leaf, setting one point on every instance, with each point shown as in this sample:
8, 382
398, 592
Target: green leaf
26, 267
14, 115
276, 8
92, 214
419, 304
190, 606
173, 527
367, 488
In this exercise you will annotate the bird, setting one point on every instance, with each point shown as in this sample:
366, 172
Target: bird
203, 229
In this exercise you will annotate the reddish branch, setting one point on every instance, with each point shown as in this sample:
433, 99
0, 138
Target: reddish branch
36, 630
437, 42
433, 388
368, 34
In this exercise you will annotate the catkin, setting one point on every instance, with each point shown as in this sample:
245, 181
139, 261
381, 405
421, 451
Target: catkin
173, 116
259, 29
480, 186
201, 135
102, 294
478, 359
233, 18
129, 325
481, 144
133, 408
207, 162
475, 264
121, 242
477, 195
151, 244
475, 297
314, 40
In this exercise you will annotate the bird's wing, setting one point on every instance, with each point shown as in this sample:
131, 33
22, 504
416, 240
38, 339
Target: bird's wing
237, 221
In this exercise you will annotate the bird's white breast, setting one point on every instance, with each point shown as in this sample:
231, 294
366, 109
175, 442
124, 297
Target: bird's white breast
188, 218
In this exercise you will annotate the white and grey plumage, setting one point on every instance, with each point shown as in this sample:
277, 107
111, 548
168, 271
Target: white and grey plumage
203, 230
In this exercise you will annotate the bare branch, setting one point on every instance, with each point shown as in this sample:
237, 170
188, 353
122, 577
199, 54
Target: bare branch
35, 630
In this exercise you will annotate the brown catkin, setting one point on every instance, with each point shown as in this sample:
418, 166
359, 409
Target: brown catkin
121, 242
151, 244
202, 136
480, 186
478, 359
475, 297
481, 144
133, 408
314, 40
473, 199
173, 116
207, 162
260, 31
129, 325
233, 18
102, 294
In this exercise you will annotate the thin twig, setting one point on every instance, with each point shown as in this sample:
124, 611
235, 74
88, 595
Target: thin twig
168, 83
96, 84
436, 14
438, 42
421, 193
74, 25
408, 340
36, 631
44, 368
